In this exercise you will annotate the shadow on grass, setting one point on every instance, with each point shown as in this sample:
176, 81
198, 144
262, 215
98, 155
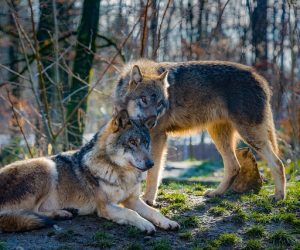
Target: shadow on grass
205, 168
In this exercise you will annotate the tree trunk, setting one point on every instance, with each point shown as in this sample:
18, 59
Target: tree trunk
85, 49
44, 35
200, 20
153, 28
259, 35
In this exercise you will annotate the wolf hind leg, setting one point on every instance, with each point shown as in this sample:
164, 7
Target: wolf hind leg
263, 141
59, 214
159, 148
223, 135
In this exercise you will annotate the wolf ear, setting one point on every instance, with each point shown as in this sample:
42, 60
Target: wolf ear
163, 77
121, 120
136, 75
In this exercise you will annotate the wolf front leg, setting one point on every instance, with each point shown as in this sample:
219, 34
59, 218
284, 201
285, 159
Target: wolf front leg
125, 216
149, 213
158, 150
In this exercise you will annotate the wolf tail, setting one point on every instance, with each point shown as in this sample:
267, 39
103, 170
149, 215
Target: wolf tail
23, 221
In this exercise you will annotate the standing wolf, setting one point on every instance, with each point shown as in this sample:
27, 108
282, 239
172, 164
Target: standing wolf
227, 99
103, 173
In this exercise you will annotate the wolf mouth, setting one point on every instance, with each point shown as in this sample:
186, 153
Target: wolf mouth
134, 166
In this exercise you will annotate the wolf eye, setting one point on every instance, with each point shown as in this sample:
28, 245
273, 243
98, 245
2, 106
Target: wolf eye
133, 142
160, 104
144, 99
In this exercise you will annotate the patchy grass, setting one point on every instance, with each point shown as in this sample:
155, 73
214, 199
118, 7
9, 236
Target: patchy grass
108, 225
214, 200
248, 221
160, 245
133, 232
281, 238
177, 202
188, 235
134, 246
218, 211
289, 218
253, 245
260, 217
229, 239
256, 231
191, 221
102, 240
239, 216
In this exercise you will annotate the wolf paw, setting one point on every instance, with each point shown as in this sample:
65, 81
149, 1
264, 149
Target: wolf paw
151, 203
277, 197
62, 215
146, 227
167, 224
211, 193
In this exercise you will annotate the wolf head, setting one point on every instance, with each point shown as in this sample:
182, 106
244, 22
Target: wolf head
146, 97
128, 143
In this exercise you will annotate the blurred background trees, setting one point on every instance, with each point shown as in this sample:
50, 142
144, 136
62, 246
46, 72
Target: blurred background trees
59, 60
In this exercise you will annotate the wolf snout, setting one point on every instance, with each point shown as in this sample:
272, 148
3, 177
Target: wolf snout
151, 122
149, 164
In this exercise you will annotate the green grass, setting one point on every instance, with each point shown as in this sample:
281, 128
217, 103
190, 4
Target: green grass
214, 200
256, 231
175, 197
108, 224
289, 218
296, 246
211, 245
2, 245
204, 168
229, 239
239, 216
177, 202
260, 217
134, 246
160, 245
253, 245
264, 205
191, 221
133, 232
229, 204
281, 238
102, 239
188, 235
217, 211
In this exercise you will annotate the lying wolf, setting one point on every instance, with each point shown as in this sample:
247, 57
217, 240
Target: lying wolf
227, 99
102, 174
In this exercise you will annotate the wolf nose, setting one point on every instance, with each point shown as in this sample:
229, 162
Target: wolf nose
149, 164
150, 122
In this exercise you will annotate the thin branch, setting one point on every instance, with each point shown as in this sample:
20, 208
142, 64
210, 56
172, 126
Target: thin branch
18, 123
30, 73
40, 68
160, 26
144, 33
